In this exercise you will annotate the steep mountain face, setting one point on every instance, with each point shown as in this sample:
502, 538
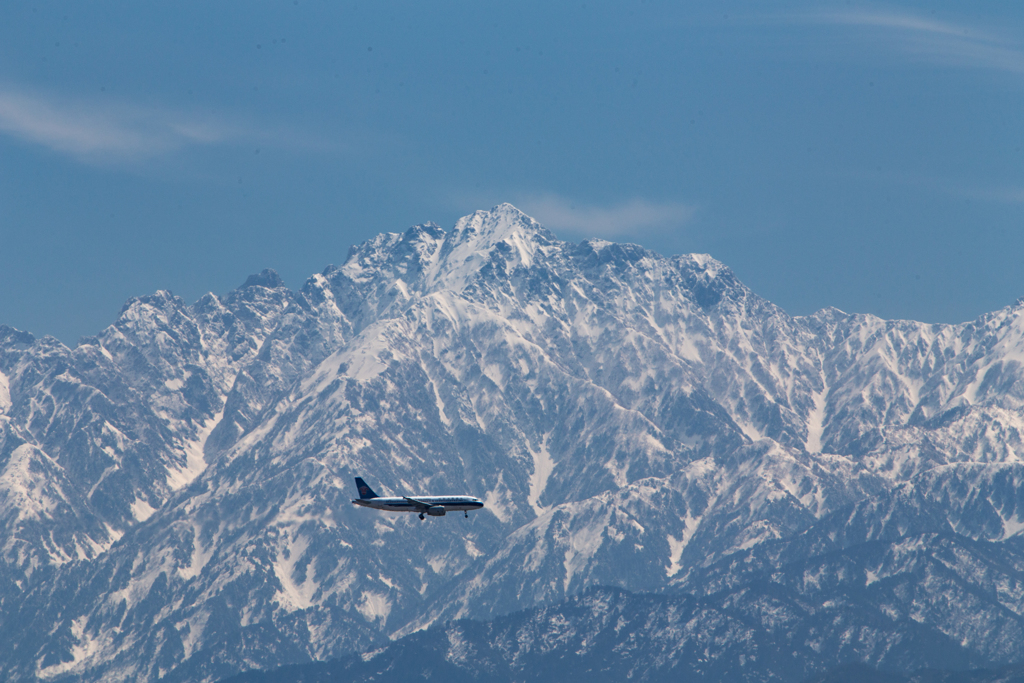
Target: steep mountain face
95, 439
175, 492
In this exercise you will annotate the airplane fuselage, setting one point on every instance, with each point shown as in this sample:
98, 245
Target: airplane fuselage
435, 506
400, 504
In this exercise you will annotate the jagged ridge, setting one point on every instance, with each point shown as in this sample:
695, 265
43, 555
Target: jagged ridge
632, 420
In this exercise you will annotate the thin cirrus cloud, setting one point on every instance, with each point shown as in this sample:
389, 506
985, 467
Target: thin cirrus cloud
933, 41
90, 131
624, 219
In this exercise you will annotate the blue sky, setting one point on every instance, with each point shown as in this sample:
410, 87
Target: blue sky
863, 156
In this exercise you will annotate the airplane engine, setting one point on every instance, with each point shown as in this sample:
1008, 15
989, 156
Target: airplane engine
436, 511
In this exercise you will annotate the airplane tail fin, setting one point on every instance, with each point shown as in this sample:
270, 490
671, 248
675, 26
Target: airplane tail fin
364, 490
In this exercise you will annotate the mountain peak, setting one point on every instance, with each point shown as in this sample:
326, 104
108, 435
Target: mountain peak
268, 278
503, 223
500, 223
504, 233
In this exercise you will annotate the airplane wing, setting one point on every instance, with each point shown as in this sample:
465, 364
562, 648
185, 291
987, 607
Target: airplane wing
418, 503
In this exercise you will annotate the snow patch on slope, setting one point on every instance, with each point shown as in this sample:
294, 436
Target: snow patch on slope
142, 510
5, 393
543, 465
200, 555
675, 553
677, 545
293, 596
374, 606
1012, 526
195, 460
816, 422
84, 648
26, 484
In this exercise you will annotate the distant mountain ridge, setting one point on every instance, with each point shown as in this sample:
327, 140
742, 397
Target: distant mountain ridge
607, 635
175, 491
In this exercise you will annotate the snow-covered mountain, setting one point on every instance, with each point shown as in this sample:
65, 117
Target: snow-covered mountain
175, 491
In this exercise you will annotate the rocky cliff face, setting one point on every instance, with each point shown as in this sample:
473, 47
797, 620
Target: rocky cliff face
175, 491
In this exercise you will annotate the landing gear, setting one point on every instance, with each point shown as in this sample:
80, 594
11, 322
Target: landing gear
466, 512
422, 517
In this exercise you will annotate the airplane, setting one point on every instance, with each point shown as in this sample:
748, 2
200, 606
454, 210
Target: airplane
435, 506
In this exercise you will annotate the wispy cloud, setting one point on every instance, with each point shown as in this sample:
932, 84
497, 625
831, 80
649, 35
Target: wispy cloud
620, 220
934, 41
97, 131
